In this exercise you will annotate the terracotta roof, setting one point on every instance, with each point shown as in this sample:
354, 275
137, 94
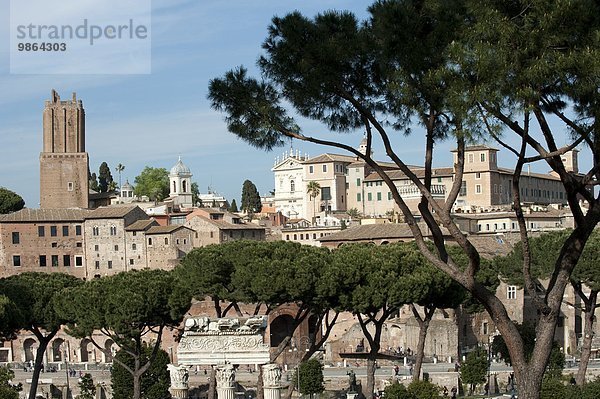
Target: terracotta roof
45, 215
165, 229
374, 232
477, 147
547, 176
111, 212
331, 157
398, 175
140, 225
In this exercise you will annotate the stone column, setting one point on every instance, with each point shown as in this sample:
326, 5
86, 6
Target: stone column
179, 381
272, 381
225, 381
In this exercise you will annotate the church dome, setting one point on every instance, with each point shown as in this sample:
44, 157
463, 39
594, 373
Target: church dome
180, 169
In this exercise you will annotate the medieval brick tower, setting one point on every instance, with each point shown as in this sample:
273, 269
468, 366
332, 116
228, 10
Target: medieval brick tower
63, 160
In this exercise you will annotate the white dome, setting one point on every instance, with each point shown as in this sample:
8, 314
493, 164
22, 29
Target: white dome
180, 169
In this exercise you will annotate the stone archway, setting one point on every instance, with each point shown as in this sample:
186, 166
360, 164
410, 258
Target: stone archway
85, 350
29, 350
57, 349
280, 328
109, 351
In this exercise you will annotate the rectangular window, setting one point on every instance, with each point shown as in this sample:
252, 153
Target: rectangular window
78, 230
133, 247
131, 261
324, 168
369, 197
96, 247
439, 179
54, 245
53, 231
212, 234
470, 158
41, 231
113, 230
463, 189
478, 175
378, 196
66, 260
79, 245
97, 265
42, 260
70, 186
54, 260
16, 260
325, 193
358, 197
110, 264
357, 182
495, 189
389, 195
15, 237
478, 188
482, 157
65, 231
78, 261
116, 247
95, 230
135, 233
511, 292
311, 169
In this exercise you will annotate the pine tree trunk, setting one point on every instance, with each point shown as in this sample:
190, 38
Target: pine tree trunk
419, 353
586, 347
37, 368
137, 388
370, 388
212, 383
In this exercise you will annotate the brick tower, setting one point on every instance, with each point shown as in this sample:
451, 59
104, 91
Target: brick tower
63, 160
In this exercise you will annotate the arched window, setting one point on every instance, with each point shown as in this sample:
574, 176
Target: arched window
149, 240
184, 186
174, 187
166, 241
292, 186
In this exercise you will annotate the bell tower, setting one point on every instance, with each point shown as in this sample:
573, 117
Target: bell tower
63, 160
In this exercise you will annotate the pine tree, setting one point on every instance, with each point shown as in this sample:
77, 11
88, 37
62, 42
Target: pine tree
233, 207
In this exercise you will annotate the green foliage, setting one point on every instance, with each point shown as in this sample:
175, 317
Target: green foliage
87, 388
555, 388
93, 182
33, 296
8, 390
473, 370
104, 177
423, 390
233, 207
154, 383
152, 182
397, 391
250, 198
10, 201
196, 201
353, 213
591, 390
311, 377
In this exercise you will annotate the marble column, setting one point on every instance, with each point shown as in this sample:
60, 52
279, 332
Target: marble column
179, 381
272, 381
225, 381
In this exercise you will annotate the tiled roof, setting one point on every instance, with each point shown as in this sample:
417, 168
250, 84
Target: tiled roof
331, 157
398, 175
45, 215
111, 212
547, 176
165, 229
140, 225
477, 147
374, 232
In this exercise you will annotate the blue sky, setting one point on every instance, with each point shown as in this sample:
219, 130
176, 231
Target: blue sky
151, 119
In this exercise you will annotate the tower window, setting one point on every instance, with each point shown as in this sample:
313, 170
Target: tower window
174, 187
78, 230
482, 157
133, 246
66, 260
95, 231
70, 186
113, 230
184, 184
292, 186
53, 231
15, 237
54, 260
110, 264
150, 241
65, 231
42, 260
16, 260
78, 261
41, 231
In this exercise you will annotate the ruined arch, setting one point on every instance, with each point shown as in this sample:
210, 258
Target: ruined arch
279, 328
28, 349
85, 349
109, 351
57, 349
